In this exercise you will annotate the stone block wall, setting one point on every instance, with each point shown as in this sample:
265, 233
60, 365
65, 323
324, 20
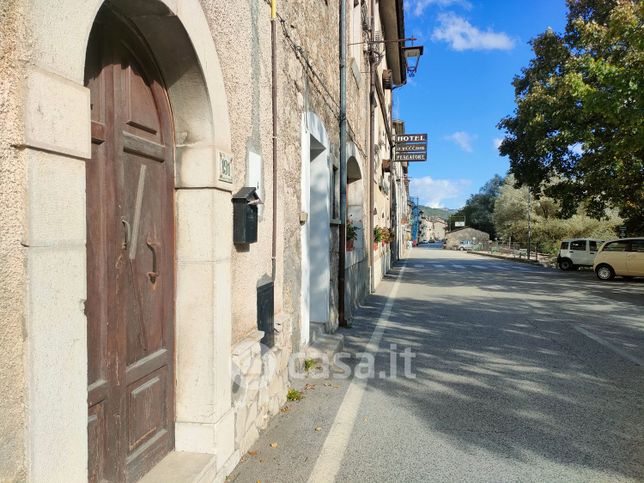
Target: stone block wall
357, 285
260, 384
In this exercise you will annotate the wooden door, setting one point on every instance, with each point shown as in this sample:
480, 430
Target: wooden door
130, 257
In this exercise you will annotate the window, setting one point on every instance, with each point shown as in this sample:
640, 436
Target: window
593, 245
637, 246
616, 246
578, 245
564, 246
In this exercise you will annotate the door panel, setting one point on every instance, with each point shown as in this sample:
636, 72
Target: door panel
141, 112
146, 275
146, 418
130, 222
96, 435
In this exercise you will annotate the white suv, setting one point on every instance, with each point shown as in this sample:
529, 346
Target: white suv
578, 252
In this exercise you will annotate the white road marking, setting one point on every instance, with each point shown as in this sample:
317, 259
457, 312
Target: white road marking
610, 346
438, 265
335, 445
455, 265
418, 266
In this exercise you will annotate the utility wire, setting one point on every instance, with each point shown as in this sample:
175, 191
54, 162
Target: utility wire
303, 58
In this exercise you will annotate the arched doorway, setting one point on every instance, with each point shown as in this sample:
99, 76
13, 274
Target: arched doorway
130, 255
356, 264
59, 137
355, 200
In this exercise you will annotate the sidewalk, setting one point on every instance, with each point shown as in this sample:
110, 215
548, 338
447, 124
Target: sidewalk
288, 450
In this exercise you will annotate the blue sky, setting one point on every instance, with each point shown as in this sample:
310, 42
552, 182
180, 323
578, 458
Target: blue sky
473, 49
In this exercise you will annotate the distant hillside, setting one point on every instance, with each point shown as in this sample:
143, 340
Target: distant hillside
443, 213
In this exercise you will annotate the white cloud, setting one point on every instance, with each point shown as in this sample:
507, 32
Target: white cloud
418, 7
462, 35
497, 143
463, 139
434, 192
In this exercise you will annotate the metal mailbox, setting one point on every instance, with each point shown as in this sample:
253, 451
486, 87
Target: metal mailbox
245, 203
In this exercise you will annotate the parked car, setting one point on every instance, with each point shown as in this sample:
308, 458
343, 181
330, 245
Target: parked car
465, 245
623, 257
577, 252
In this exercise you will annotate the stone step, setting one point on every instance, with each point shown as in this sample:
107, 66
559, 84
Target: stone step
325, 346
316, 330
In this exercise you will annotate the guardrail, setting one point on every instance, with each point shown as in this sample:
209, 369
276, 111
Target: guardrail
516, 251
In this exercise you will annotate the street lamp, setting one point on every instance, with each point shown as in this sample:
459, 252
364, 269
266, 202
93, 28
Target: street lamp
412, 57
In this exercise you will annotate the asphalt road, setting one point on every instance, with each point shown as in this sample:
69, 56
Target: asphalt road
521, 373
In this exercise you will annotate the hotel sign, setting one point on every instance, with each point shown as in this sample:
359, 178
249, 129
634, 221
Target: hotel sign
410, 138
411, 147
411, 157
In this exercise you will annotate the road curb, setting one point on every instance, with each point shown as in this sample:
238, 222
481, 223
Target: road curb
518, 260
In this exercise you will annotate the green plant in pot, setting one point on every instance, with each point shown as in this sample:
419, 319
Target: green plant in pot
386, 236
378, 235
351, 235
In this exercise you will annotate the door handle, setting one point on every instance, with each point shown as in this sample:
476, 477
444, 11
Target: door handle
153, 245
128, 233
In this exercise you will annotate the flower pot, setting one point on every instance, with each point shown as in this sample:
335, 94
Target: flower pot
349, 245
375, 246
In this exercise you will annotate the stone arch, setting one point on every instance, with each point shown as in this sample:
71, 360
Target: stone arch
178, 34
178, 28
356, 265
355, 198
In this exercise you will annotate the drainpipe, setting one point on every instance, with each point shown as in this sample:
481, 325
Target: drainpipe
343, 164
274, 100
372, 153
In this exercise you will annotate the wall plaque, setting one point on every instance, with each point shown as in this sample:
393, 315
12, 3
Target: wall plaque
225, 167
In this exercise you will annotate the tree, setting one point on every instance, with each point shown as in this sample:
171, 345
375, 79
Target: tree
578, 124
548, 229
510, 215
479, 207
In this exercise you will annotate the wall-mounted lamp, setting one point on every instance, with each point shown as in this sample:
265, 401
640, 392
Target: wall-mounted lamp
412, 57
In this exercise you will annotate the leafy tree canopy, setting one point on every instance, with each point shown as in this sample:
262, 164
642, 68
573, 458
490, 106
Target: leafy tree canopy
510, 217
578, 125
479, 207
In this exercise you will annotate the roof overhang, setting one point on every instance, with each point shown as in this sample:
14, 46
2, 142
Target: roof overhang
392, 17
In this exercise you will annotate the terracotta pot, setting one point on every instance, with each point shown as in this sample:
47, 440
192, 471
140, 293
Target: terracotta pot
349, 245
375, 246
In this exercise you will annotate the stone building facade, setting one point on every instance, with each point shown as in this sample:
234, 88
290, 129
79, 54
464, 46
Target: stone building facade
432, 228
453, 238
120, 155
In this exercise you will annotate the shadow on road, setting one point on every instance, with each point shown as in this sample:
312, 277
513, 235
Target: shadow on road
510, 375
